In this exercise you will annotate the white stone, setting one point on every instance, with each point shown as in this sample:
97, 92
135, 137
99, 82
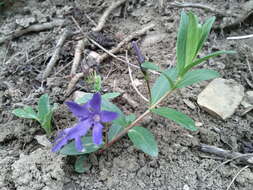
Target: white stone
221, 97
43, 140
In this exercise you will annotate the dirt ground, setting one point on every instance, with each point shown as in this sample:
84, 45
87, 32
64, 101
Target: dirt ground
25, 164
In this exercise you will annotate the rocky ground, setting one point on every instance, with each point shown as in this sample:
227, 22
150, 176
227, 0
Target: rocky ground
221, 109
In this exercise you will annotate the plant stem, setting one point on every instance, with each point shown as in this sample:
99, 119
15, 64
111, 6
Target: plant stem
125, 131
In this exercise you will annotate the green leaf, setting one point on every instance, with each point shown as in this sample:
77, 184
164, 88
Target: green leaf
43, 107
193, 37
114, 131
151, 66
200, 60
69, 149
197, 76
177, 117
82, 164
27, 112
181, 41
110, 95
143, 140
119, 124
206, 28
162, 85
130, 118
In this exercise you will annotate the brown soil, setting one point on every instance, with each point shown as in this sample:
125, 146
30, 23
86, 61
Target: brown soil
179, 164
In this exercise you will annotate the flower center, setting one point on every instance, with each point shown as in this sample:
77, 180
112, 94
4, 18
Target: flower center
96, 118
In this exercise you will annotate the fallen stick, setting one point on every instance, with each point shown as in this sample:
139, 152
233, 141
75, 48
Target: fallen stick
240, 37
104, 56
236, 22
201, 6
77, 57
105, 15
126, 41
56, 54
244, 158
32, 28
73, 82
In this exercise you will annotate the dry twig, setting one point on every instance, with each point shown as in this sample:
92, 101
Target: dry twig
132, 81
77, 57
33, 28
236, 22
56, 54
240, 171
201, 6
128, 39
73, 82
115, 50
240, 37
105, 15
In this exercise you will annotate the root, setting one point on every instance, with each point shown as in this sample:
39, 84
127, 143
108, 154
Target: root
32, 28
105, 15
244, 158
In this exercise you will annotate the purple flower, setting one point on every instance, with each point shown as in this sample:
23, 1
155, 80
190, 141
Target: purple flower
137, 50
90, 116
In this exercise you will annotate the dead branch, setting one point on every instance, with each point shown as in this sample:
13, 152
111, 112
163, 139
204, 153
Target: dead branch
240, 37
244, 158
77, 57
132, 81
126, 41
236, 22
104, 56
73, 82
201, 6
105, 15
33, 28
56, 54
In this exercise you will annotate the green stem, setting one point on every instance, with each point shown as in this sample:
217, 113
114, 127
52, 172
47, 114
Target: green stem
125, 131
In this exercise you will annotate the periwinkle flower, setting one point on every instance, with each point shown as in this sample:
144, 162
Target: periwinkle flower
90, 116
138, 53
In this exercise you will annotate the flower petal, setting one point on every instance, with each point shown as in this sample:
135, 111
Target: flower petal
97, 134
80, 129
95, 102
78, 144
59, 145
79, 111
107, 116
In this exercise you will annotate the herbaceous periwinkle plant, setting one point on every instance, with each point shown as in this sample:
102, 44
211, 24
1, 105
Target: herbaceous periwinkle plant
95, 111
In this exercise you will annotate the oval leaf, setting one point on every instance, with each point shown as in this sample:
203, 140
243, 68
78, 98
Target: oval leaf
162, 85
111, 95
114, 131
143, 140
197, 76
27, 112
69, 149
82, 164
43, 107
176, 116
